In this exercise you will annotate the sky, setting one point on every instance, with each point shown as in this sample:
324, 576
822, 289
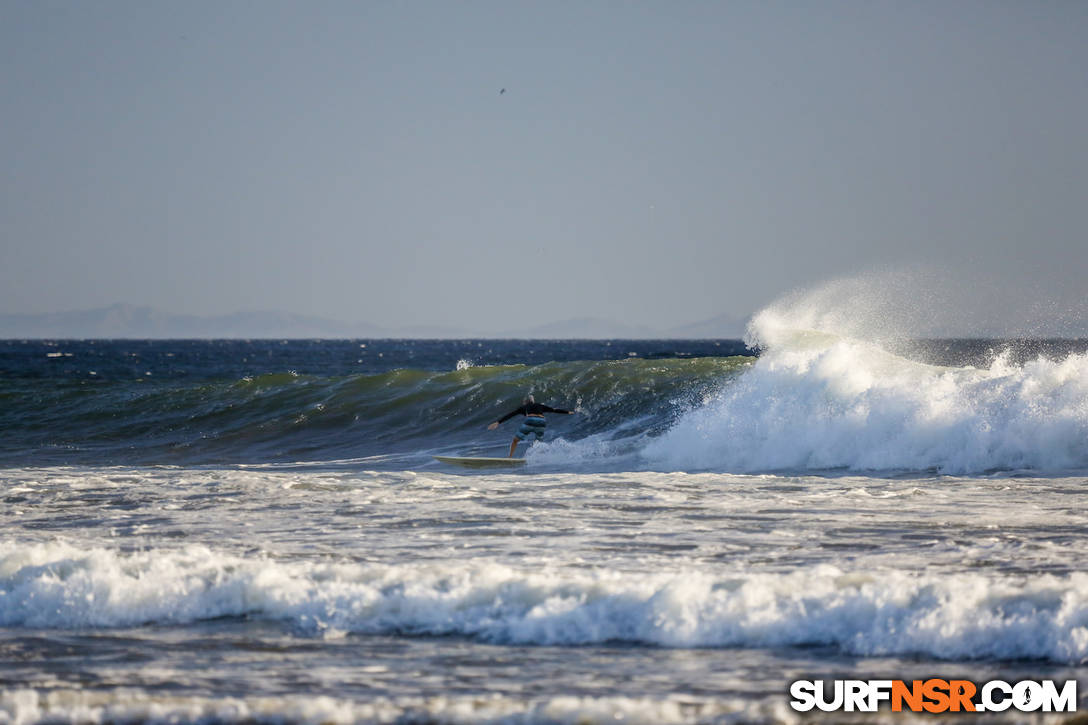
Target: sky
652, 163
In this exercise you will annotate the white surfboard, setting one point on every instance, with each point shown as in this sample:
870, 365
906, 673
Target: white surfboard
481, 462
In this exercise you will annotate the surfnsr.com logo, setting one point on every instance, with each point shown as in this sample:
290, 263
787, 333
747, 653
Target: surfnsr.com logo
933, 695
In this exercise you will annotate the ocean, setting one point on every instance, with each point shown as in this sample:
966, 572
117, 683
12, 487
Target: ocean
256, 531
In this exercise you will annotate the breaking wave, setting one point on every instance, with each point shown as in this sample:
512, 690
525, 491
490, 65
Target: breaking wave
842, 388
880, 612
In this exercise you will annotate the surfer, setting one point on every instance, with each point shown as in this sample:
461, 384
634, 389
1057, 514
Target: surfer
534, 423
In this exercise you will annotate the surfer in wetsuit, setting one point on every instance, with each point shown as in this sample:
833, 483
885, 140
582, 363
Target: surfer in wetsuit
534, 423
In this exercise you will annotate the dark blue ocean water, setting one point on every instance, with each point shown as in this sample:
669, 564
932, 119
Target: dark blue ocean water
129, 360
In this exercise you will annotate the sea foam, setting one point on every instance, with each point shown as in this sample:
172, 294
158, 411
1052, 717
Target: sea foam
873, 612
63, 706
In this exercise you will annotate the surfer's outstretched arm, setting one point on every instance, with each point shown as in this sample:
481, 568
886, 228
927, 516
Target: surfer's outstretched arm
517, 411
561, 411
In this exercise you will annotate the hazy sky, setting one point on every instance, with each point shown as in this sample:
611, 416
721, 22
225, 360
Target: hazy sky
654, 163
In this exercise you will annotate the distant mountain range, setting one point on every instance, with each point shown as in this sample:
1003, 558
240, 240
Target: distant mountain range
131, 321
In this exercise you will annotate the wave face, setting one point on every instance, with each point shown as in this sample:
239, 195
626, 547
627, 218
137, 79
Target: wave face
882, 612
239, 402
828, 392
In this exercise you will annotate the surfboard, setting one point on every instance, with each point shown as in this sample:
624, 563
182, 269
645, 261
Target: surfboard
477, 462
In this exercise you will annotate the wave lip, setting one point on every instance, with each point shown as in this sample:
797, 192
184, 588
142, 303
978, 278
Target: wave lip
58, 586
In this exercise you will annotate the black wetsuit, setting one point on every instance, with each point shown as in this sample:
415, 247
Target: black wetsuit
532, 409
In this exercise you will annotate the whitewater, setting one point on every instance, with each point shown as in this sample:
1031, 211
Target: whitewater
820, 401
256, 531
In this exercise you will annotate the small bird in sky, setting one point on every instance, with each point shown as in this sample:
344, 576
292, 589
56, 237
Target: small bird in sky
502, 91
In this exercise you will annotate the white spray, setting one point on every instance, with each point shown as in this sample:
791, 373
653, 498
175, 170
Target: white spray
826, 393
